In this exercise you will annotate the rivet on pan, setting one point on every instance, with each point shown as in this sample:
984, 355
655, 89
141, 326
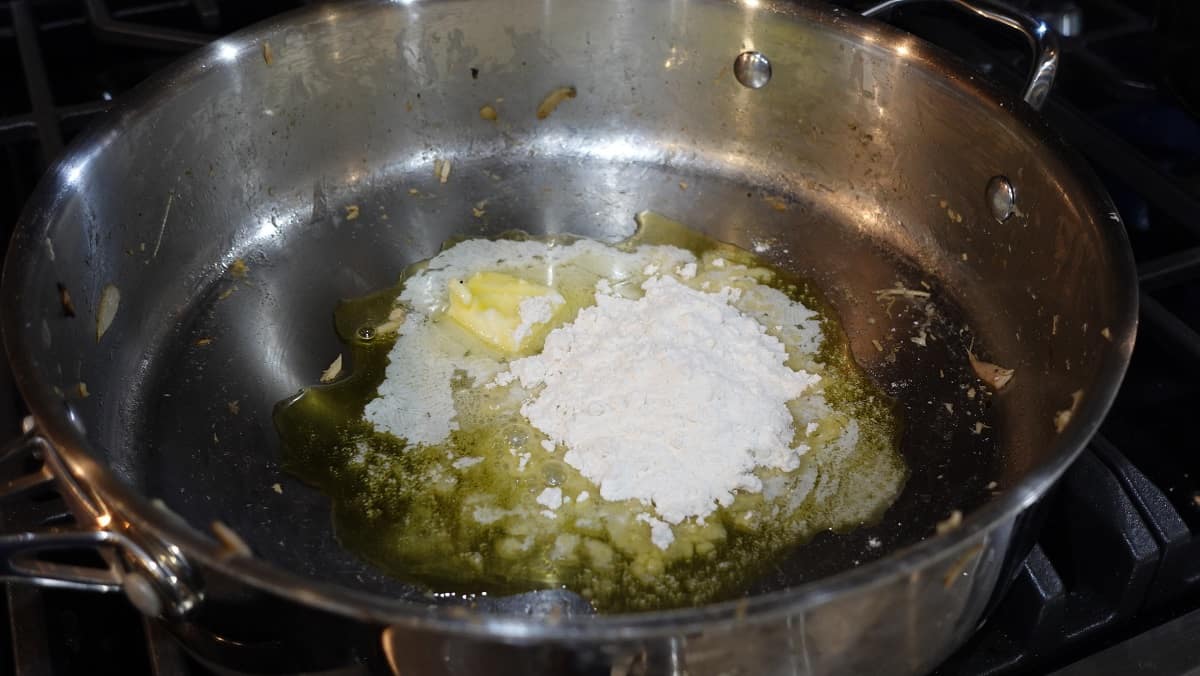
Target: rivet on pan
1001, 198
366, 333
752, 69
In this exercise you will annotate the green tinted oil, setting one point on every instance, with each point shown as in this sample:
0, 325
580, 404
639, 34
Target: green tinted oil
477, 528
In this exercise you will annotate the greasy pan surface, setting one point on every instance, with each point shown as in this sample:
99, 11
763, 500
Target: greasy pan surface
863, 164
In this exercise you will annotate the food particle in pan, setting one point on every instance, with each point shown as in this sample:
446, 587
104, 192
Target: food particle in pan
776, 203
394, 321
552, 100
650, 424
950, 523
332, 371
441, 170
1063, 418
238, 269
64, 299
995, 376
110, 300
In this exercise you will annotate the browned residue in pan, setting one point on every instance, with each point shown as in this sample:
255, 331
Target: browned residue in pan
995, 376
332, 371
550, 103
1063, 417
950, 523
64, 299
106, 311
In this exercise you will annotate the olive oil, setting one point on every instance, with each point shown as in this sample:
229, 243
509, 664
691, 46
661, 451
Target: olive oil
461, 516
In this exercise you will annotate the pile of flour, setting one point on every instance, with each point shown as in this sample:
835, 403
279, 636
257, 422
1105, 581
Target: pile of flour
672, 399
415, 400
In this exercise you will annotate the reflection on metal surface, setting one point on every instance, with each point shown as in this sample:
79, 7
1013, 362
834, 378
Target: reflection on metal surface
227, 51
674, 59
74, 173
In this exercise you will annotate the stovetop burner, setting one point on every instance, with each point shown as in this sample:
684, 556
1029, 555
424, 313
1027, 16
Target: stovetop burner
1114, 578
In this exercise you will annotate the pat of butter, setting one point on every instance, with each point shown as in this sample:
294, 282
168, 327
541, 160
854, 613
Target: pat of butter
502, 310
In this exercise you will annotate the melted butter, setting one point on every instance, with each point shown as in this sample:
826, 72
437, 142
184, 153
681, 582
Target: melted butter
462, 516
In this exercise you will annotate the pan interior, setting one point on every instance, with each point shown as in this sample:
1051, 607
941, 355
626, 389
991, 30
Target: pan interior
220, 208
255, 335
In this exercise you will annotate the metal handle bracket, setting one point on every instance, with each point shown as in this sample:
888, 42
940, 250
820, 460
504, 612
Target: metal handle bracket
153, 576
1042, 41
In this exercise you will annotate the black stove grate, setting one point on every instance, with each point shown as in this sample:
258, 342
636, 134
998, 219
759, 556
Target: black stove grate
1120, 550
63, 61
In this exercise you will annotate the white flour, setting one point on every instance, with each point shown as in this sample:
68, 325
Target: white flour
534, 311
550, 498
673, 399
464, 463
415, 400
660, 532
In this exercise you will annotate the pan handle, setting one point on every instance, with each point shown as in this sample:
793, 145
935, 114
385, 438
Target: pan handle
1042, 41
155, 578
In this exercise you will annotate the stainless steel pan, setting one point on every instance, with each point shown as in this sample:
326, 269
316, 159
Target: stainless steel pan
864, 157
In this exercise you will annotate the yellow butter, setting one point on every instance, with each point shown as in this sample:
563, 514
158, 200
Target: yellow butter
493, 306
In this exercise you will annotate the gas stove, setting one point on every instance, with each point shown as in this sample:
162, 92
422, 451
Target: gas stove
1112, 584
